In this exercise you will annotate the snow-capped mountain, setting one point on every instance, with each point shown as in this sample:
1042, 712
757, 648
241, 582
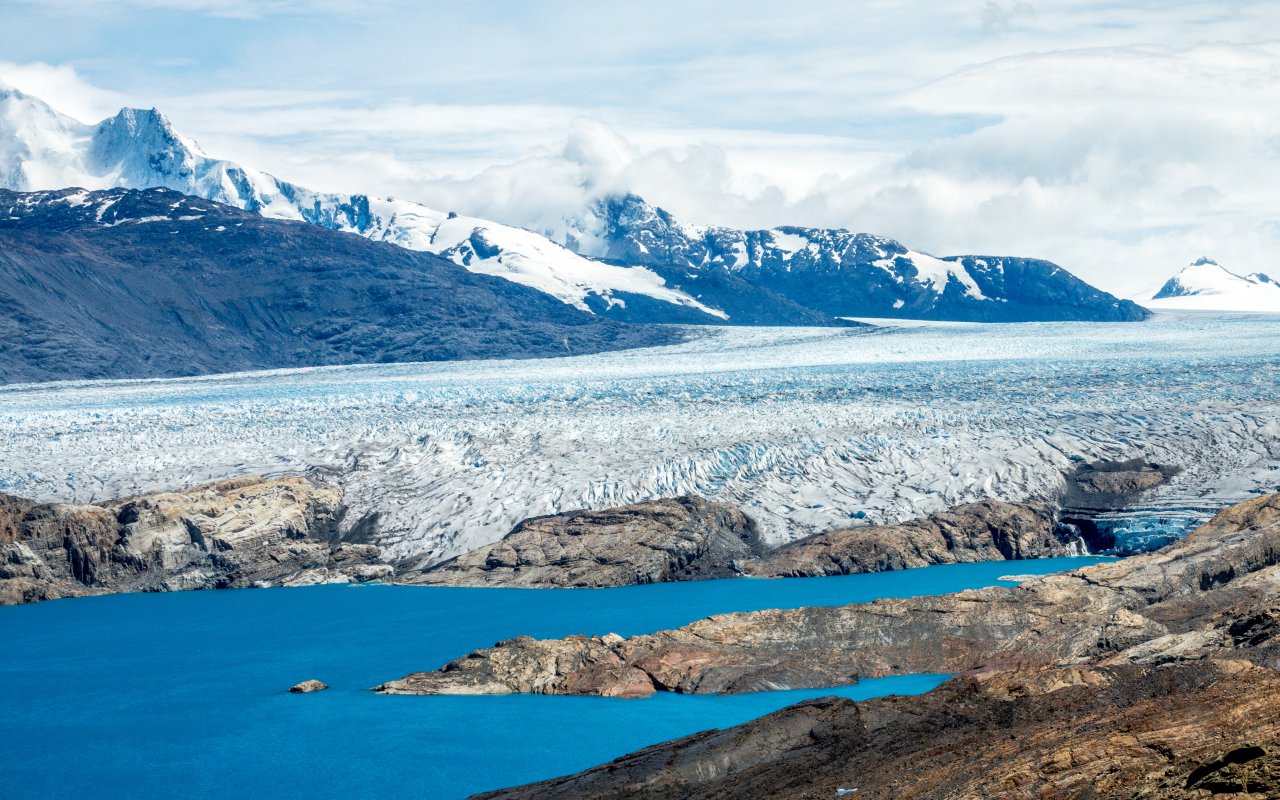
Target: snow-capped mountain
41, 149
1206, 285
133, 283
842, 273
622, 258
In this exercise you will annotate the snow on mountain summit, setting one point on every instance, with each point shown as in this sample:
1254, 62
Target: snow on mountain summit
842, 273
41, 149
621, 257
1206, 285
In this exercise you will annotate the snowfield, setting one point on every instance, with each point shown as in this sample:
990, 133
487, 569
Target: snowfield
807, 429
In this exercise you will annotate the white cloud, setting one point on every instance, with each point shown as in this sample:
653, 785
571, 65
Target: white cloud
63, 88
1120, 140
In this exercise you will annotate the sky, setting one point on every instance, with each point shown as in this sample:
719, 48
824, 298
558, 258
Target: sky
1121, 140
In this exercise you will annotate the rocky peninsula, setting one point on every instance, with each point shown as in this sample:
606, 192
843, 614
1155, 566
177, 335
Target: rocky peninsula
1153, 677
1190, 599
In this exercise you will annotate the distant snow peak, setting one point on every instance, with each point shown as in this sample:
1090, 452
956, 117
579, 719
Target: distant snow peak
1206, 285
841, 273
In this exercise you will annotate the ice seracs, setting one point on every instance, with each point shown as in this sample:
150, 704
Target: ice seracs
1206, 285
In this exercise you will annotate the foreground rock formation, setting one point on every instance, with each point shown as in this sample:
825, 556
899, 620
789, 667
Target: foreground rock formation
1151, 678
690, 538
684, 538
234, 533
985, 531
1196, 598
1185, 730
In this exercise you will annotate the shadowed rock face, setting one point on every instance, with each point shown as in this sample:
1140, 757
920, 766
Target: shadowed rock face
685, 538
1186, 730
148, 283
234, 533
1108, 485
985, 531
1181, 602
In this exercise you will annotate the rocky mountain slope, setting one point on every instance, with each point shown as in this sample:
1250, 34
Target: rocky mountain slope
1208, 729
132, 284
234, 533
41, 149
1192, 599
841, 273
1206, 285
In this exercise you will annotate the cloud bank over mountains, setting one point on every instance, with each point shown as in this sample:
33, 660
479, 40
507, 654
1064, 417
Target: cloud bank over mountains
1120, 140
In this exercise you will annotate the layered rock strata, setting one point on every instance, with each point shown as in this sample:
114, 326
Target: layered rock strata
234, 533
1207, 729
679, 539
1193, 599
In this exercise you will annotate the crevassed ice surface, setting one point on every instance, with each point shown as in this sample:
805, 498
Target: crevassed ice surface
807, 429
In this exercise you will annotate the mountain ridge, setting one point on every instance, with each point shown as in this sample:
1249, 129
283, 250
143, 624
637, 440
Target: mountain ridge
129, 283
623, 258
843, 273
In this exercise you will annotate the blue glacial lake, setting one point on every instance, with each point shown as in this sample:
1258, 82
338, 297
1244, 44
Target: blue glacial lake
184, 695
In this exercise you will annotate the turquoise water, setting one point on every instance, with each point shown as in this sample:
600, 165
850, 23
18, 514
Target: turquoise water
183, 695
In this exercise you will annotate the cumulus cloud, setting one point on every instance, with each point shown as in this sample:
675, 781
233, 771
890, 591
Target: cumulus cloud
63, 87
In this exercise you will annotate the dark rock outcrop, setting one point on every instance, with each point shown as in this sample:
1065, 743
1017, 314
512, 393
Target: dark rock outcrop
307, 687
989, 530
133, 284
1109, 485
690, 538
1177, 603
1187, 730
678, 539
234, 533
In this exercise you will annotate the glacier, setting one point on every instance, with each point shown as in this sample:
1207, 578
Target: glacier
806, 428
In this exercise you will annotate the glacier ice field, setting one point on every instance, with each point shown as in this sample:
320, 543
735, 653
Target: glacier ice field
806, 429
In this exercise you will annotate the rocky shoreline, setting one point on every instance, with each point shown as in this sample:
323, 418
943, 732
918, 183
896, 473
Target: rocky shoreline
1152, 677
1209, 729
1182, 601
230, 534
286, 531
